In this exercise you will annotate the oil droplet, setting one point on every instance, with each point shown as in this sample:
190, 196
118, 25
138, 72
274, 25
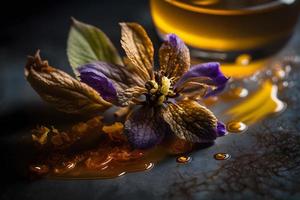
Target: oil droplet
235, 93
236, 127
122, 174
222, 156
243, 59
183, 159
39, 169
241, 92
285, 84
149, 166
70, 165
279, 73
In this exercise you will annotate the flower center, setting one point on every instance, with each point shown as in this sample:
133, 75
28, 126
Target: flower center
159, 91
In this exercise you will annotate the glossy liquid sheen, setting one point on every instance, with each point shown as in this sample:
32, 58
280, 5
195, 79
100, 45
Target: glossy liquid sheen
226, 25
111, 168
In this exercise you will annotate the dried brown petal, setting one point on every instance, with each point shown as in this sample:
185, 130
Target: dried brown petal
174, 57
138, 48
130, 96
61, 90
191, 121
83, 133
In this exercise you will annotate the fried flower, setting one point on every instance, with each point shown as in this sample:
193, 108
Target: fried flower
162, 101
163, 108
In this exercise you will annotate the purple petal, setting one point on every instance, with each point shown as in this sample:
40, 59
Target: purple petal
210, 70
121, 76
221, 129
143, 128
175, 41
98, 81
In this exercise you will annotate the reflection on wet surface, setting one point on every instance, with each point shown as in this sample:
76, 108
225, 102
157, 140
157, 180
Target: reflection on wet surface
222, 156
258, 105
183, 159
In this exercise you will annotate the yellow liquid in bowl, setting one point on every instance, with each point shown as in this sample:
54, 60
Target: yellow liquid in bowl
227, 25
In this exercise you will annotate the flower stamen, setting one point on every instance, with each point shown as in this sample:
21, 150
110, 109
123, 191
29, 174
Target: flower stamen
159, 92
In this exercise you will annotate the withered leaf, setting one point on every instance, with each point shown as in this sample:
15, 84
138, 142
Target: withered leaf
191, 121
61, 90
174, 57
87, 43
138, 48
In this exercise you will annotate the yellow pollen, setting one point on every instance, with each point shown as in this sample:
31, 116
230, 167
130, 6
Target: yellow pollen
165, 85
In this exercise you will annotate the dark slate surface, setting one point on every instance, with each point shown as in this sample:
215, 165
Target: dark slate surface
265, 162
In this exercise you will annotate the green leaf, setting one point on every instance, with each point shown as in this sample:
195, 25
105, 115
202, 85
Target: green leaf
87, 43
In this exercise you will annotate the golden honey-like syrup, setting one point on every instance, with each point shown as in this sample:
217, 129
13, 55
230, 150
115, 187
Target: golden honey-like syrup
108, 160
226, 25
258, 105
110, 168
